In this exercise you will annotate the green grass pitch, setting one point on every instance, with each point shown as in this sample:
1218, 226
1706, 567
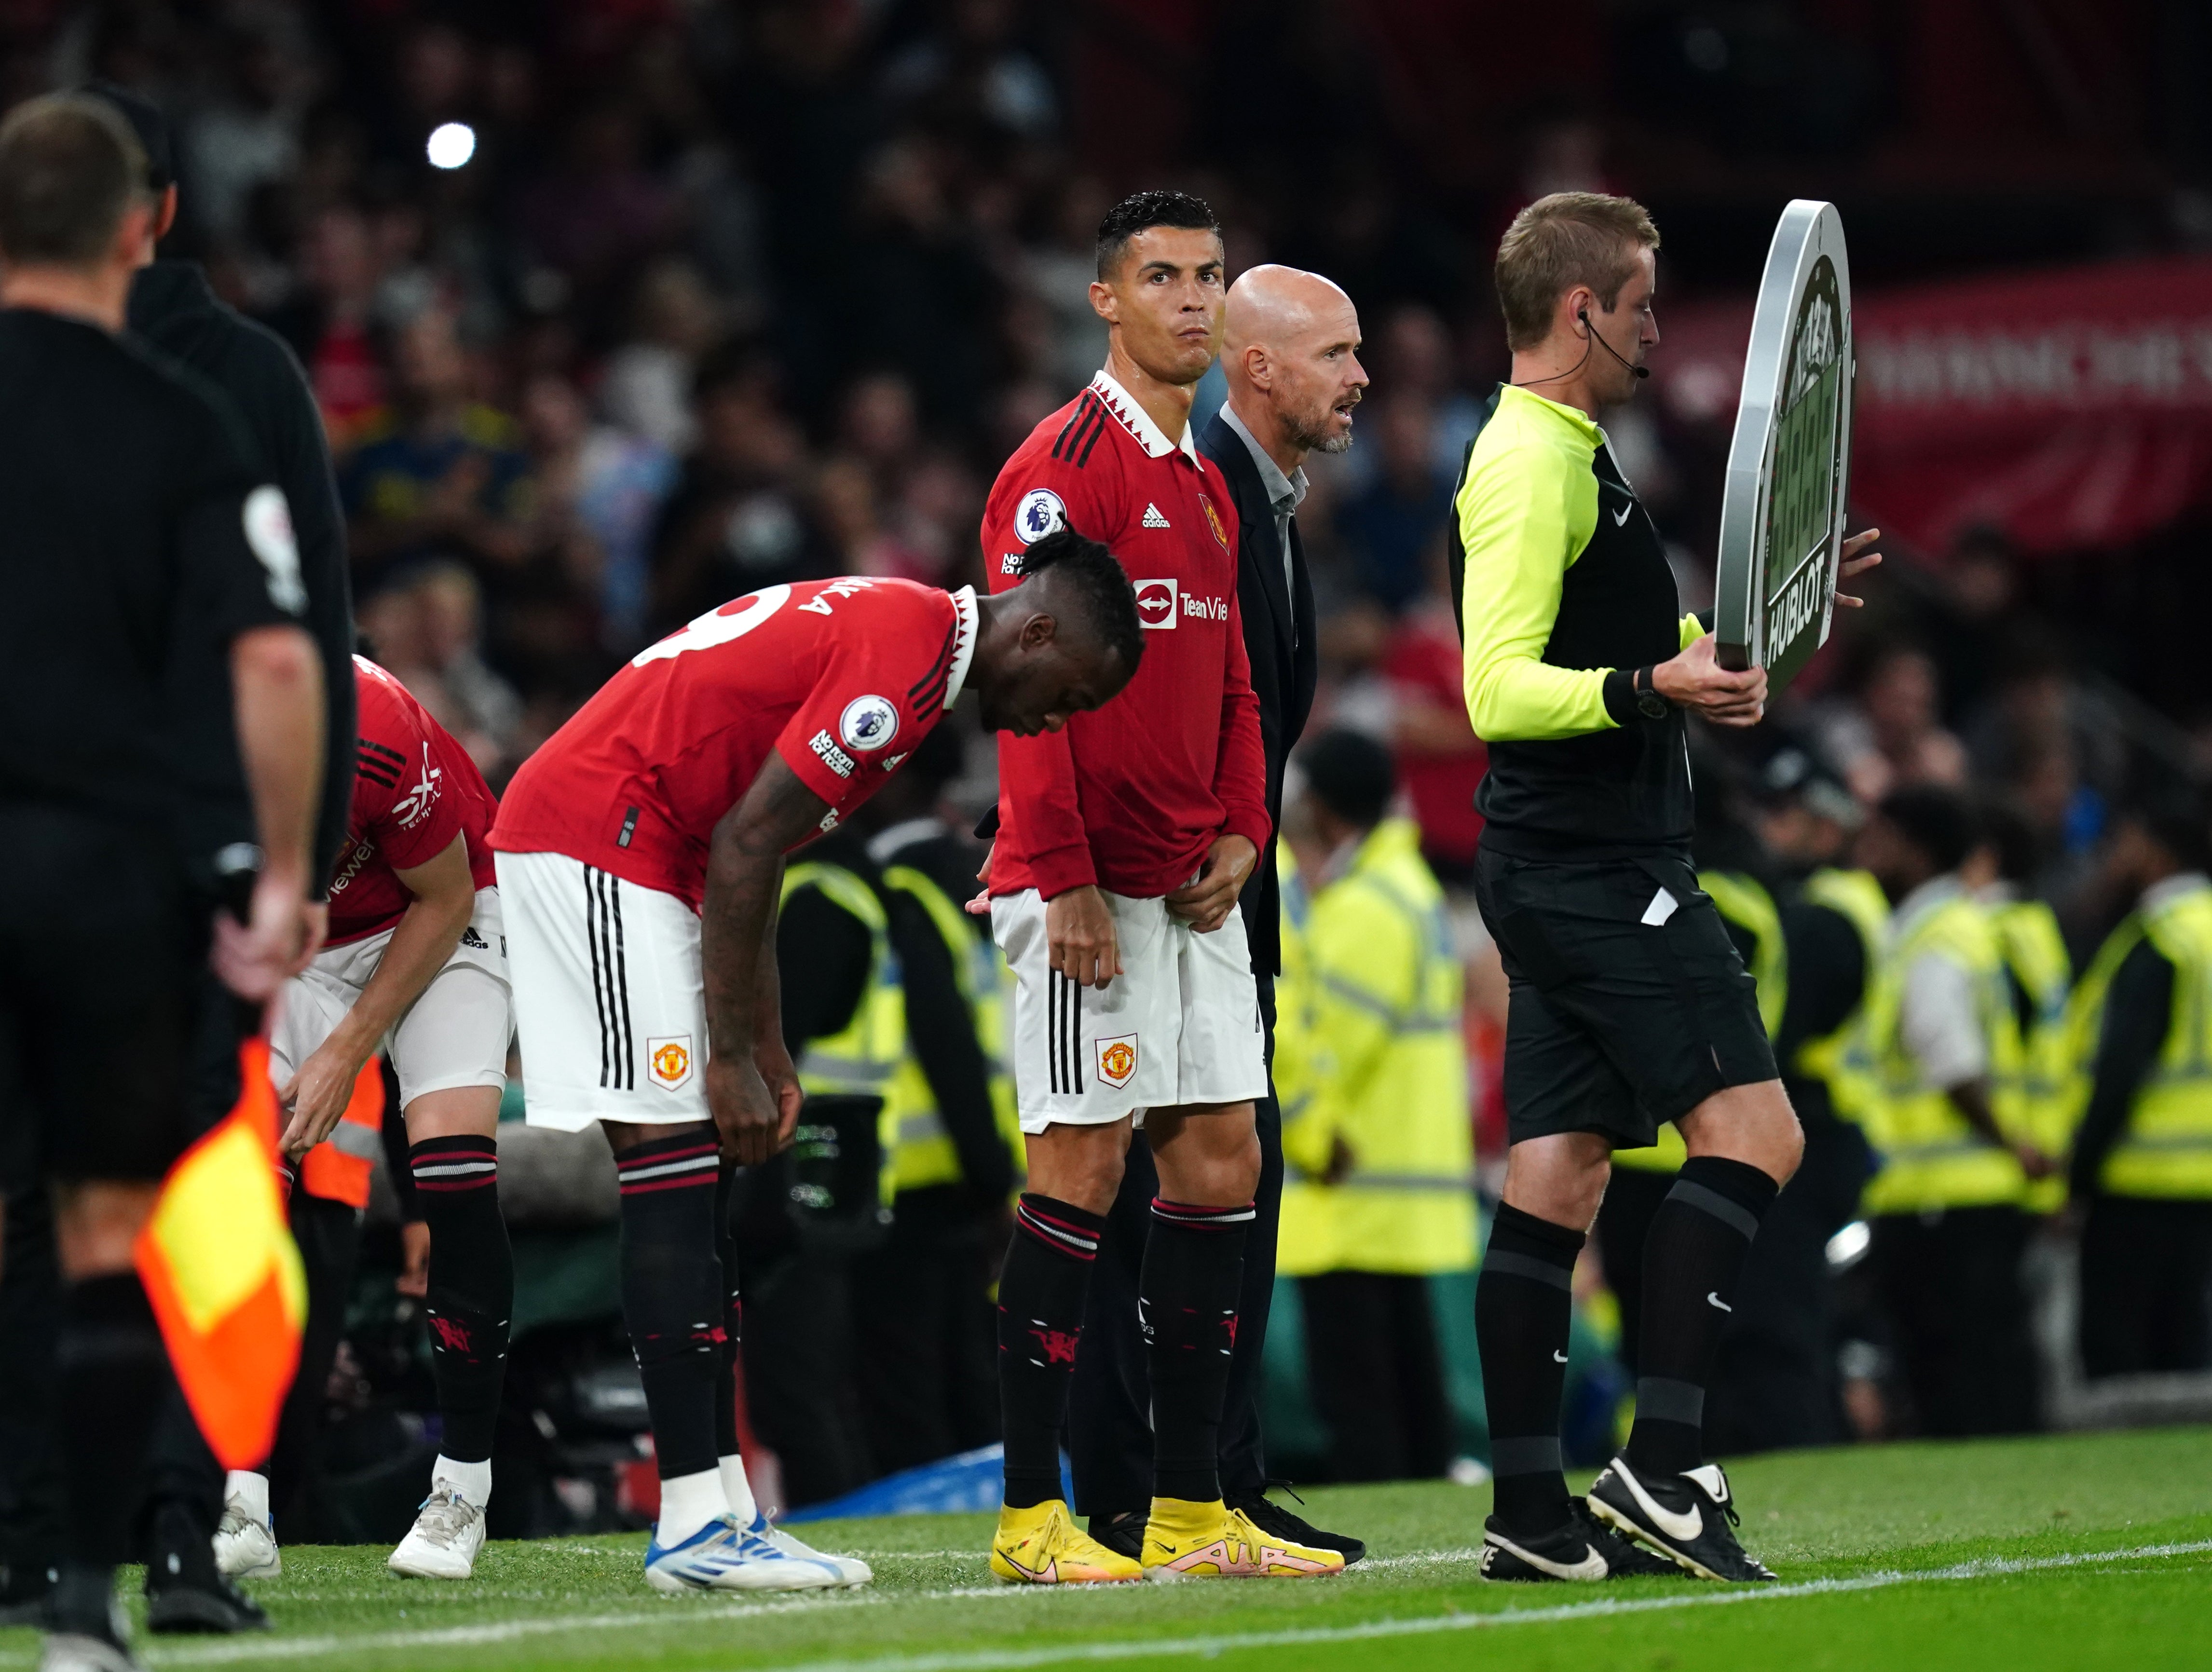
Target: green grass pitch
2070, 1553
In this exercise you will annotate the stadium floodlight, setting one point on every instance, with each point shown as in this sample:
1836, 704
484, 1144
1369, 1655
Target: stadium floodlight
451, 144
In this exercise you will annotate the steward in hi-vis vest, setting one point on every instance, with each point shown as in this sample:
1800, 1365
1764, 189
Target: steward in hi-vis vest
2140, 1170
1372, 1069
1937, 1039
925, 1350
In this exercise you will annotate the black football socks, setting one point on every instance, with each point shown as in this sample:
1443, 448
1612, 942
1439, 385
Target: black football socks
110, 1375
1523, 1305
671, 1291
1692, 1257
1041, 1296
1186, 1305
471, 1292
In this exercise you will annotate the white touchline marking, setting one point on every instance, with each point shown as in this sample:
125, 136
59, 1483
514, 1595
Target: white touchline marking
1009, 1660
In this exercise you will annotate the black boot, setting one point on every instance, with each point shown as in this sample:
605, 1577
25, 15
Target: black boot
185, 1590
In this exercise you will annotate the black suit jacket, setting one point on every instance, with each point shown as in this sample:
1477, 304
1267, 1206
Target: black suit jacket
1278, 637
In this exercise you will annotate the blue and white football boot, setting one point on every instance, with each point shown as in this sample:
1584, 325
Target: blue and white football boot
852, 1571
724, 1555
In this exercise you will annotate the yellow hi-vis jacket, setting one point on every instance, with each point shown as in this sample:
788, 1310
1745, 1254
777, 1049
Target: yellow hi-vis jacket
1743, 900
1929, 1158
1858, 898
918, 1151
861, 1058
2166, 1149
1377, 1056
2034, 1103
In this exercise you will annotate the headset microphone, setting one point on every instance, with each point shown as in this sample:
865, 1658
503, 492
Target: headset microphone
1640, 371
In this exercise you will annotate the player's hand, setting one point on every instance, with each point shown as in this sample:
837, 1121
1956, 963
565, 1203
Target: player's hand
253, 958
981, 905
1695, 680
781, 1076
1079, 937
748, 1116
1205, 900
316, 1097
317, 918
414, 1277
1853, 563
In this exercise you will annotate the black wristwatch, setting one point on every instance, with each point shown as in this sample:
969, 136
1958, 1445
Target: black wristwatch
1649, 703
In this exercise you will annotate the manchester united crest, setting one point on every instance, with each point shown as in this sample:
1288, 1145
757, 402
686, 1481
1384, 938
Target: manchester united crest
1213, 521
669, 1062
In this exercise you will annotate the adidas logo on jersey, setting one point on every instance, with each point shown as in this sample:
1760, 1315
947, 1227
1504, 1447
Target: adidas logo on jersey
1153, 517
472, 941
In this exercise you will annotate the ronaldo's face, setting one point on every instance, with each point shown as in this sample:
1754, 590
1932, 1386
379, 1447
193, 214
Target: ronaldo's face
1165, 296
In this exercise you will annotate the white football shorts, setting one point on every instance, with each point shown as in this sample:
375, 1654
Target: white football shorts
1180, 1025
455, 1033
608, 995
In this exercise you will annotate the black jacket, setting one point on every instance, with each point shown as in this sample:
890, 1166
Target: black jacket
173, 308
1278, 637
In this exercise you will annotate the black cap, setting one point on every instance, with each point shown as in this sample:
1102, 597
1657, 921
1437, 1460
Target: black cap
146, 121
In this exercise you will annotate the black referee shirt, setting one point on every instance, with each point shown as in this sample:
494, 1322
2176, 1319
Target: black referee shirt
128, 488
173, 308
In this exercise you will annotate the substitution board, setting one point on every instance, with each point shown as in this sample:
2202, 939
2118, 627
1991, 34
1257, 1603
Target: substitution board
1781, 509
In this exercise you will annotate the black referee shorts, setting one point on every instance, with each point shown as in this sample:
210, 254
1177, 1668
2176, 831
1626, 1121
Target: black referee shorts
98, 1007
1616, 1022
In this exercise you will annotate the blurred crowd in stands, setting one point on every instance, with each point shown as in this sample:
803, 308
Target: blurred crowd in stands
723, 296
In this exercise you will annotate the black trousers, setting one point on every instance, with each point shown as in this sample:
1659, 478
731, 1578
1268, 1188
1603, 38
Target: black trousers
1377, 1375
926, 1340
1949, 1284
1110, 1430
2146, 1286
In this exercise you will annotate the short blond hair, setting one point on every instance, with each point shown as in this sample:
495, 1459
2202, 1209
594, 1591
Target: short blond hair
70, 166
1557, 242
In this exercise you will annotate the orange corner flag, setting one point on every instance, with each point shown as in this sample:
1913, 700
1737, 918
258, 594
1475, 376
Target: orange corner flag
223, 1275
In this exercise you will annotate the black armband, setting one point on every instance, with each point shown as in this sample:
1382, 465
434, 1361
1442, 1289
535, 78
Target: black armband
1630, 697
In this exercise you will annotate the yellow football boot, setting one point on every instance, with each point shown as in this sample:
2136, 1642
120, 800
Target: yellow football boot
1188, 1540
1045, 1546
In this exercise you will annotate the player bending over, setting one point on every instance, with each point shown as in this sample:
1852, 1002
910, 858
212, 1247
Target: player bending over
642, 854
416, 965
1123, 843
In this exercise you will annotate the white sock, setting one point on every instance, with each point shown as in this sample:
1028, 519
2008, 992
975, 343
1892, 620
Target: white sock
471, 1480
738, 1489
689, 1503
250, 1492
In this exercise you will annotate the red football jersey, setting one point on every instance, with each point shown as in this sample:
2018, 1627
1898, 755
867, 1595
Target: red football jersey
414, 790
841, 677
1132, 796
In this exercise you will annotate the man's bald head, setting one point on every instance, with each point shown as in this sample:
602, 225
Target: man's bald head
1290, 352
1273, 303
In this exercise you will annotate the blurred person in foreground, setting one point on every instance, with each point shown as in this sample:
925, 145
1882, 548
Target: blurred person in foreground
173, 308
2140, 1170
1290, 357
1372, 1066
1629, 1006
149, 557
1938, 1041
640, 867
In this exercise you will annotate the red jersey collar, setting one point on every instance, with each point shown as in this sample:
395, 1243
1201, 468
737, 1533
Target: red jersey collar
1139, 422
963, 650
